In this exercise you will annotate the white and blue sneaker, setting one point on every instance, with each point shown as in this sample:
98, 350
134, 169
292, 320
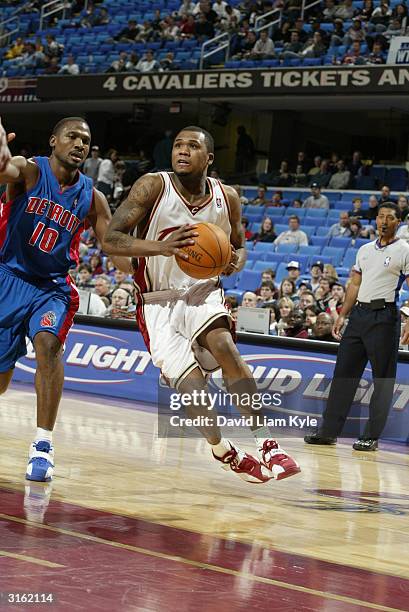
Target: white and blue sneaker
40, 461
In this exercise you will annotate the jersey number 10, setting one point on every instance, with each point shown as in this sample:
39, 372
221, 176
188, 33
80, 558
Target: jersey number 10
48, 238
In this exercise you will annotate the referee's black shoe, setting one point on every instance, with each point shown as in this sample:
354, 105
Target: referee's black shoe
317, 438
365, 444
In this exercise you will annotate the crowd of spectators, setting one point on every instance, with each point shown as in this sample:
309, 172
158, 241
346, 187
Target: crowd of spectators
331, 172
301, 306
357, 35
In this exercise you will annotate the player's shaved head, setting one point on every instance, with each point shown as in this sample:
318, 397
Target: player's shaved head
63, 122
207, 136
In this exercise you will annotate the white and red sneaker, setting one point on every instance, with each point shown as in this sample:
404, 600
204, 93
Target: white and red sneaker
244, 465
277, 461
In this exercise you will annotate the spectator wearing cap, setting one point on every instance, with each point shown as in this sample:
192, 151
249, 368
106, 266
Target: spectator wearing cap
294, 235
303, 286
316, 271
91, 165
316, 199
356, 210
294, 270
322, 329
266, 233
341, 178
340, 229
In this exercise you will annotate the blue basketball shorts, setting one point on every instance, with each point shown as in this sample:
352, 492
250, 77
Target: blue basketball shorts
27, 308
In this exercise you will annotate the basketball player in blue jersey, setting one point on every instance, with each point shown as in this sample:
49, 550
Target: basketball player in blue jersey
47, 204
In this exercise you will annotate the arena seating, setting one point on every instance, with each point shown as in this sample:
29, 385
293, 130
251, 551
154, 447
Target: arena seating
94, 48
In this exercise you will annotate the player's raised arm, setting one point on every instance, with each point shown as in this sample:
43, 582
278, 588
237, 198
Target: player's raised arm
237, 236
13, 169
138, 204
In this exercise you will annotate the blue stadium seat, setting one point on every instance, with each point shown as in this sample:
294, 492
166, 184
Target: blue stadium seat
281, 272
334, 252
286, 248
263, 247
300, 212
260, 266
340, 242
378, 173
249, 244
274, 258
333, 215
312, 222
255, 218
365, 182
253, 255
308, 250
237, 293
230, 282
324, 259
360, 242
249, 265
253, 209
341, 205
397, 179
349, 258
322, 231
275, 214
249, 280
316, 213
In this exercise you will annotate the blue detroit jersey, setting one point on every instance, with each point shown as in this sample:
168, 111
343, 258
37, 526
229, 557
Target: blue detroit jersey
40, 230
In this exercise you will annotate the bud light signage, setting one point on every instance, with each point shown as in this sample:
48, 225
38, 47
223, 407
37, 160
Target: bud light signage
116, 363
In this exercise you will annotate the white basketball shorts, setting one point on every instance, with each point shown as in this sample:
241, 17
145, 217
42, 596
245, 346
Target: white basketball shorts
170, 321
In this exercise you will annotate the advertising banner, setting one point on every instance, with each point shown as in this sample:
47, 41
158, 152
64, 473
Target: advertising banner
18, 90
399, 50
326, 80
115, 363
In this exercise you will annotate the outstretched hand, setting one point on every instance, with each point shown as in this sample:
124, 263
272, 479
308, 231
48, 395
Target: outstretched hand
5, 154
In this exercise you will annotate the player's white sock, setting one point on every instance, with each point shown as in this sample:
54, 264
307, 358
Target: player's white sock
221, 448
261, 434
44, 434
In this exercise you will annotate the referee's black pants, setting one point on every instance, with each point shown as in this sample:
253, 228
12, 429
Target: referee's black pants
371, 335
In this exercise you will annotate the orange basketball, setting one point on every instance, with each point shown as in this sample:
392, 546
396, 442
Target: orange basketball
210, 254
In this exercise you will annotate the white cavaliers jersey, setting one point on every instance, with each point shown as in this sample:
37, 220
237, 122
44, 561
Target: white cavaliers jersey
171, 210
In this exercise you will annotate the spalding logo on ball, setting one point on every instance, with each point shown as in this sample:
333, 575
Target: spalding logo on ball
210, 254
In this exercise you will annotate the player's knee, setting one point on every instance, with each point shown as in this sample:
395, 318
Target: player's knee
5, 378
48, 349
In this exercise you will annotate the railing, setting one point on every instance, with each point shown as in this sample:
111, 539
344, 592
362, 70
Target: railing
223, 44
52, 7
5, 36
260, 24
305, 6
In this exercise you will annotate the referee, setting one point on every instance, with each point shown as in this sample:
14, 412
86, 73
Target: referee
372, 333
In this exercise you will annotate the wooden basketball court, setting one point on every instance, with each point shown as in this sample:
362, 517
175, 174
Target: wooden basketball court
132, 522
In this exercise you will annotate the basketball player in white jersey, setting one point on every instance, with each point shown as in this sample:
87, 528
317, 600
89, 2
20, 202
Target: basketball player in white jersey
184, 321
